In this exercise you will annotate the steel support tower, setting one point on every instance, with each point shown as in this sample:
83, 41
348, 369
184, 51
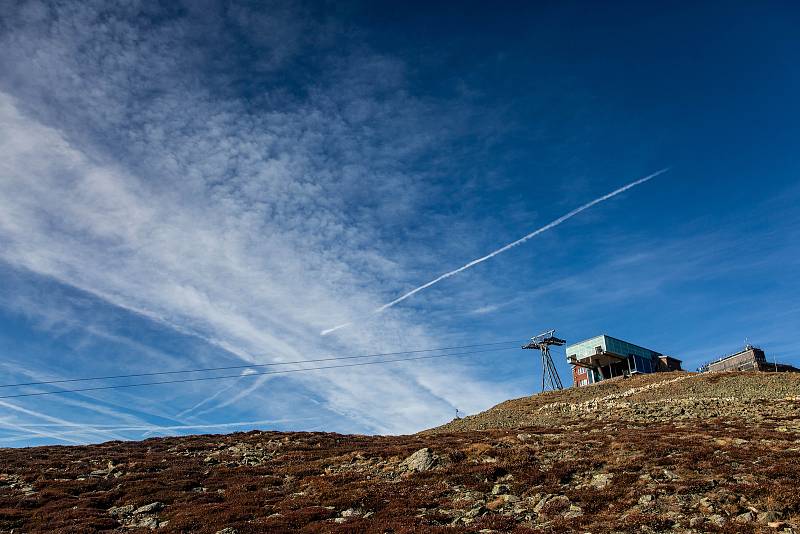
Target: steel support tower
542, 342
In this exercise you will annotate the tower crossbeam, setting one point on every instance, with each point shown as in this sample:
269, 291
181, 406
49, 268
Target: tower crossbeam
542, 343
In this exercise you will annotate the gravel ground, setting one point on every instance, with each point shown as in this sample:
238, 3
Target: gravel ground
650, 398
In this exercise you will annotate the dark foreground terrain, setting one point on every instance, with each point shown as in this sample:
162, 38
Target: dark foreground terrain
672, 452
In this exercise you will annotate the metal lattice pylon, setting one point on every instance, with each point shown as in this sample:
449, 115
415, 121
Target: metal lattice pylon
542, 342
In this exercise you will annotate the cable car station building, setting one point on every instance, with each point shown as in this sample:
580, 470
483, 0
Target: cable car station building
603, 357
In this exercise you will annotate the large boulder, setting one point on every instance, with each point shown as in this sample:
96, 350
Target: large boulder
422, 460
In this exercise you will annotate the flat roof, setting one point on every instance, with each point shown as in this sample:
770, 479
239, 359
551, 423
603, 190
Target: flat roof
614, 338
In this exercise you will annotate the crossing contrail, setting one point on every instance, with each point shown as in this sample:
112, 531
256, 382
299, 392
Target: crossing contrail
513, 244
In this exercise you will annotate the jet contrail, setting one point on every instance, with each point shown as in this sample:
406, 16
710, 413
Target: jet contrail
513, 244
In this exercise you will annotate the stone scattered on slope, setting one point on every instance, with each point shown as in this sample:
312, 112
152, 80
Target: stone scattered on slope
667, 397
149, 508
422, 460
669, 453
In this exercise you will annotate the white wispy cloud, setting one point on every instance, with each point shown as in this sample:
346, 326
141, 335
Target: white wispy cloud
488, 308
129, 174
82, 430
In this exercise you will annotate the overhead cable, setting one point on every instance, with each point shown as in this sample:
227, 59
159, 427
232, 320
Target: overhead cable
285, 371
271, 364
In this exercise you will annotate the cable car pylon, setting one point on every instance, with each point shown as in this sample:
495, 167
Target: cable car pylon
542, 342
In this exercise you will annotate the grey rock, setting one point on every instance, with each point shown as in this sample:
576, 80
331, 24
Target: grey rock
151, 508
717, 520
559, 502
766, 517
147, 522
669, 475
500, 489
601, 480
475, 512
120, 511
228, 530
573, 512
422, 460
540, 504
696, 522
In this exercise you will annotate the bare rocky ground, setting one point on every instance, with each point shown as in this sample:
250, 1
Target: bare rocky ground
673, 452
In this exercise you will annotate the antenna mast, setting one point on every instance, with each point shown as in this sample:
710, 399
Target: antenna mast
542, 342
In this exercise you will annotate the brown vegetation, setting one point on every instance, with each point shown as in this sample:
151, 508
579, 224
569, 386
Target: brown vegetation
723, 473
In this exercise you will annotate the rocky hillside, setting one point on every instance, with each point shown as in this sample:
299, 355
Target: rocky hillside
678, 396
660, 453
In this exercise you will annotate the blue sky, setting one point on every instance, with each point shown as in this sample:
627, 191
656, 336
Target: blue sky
212, 184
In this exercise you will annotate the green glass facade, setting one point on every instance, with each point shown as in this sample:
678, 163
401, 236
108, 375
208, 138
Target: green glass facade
609, 344
587, 347
639, 359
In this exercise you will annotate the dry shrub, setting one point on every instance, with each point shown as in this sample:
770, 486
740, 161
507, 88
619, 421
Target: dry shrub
562, 472
456, 456
303, 516
555, 507
475, 476
476, 450
529, 479
637, 520
613, 496
294, 482
786, 496
496, 522
518, 457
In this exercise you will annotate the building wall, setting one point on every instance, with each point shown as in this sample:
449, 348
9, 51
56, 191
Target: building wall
581, 376
747, 360
666, 363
